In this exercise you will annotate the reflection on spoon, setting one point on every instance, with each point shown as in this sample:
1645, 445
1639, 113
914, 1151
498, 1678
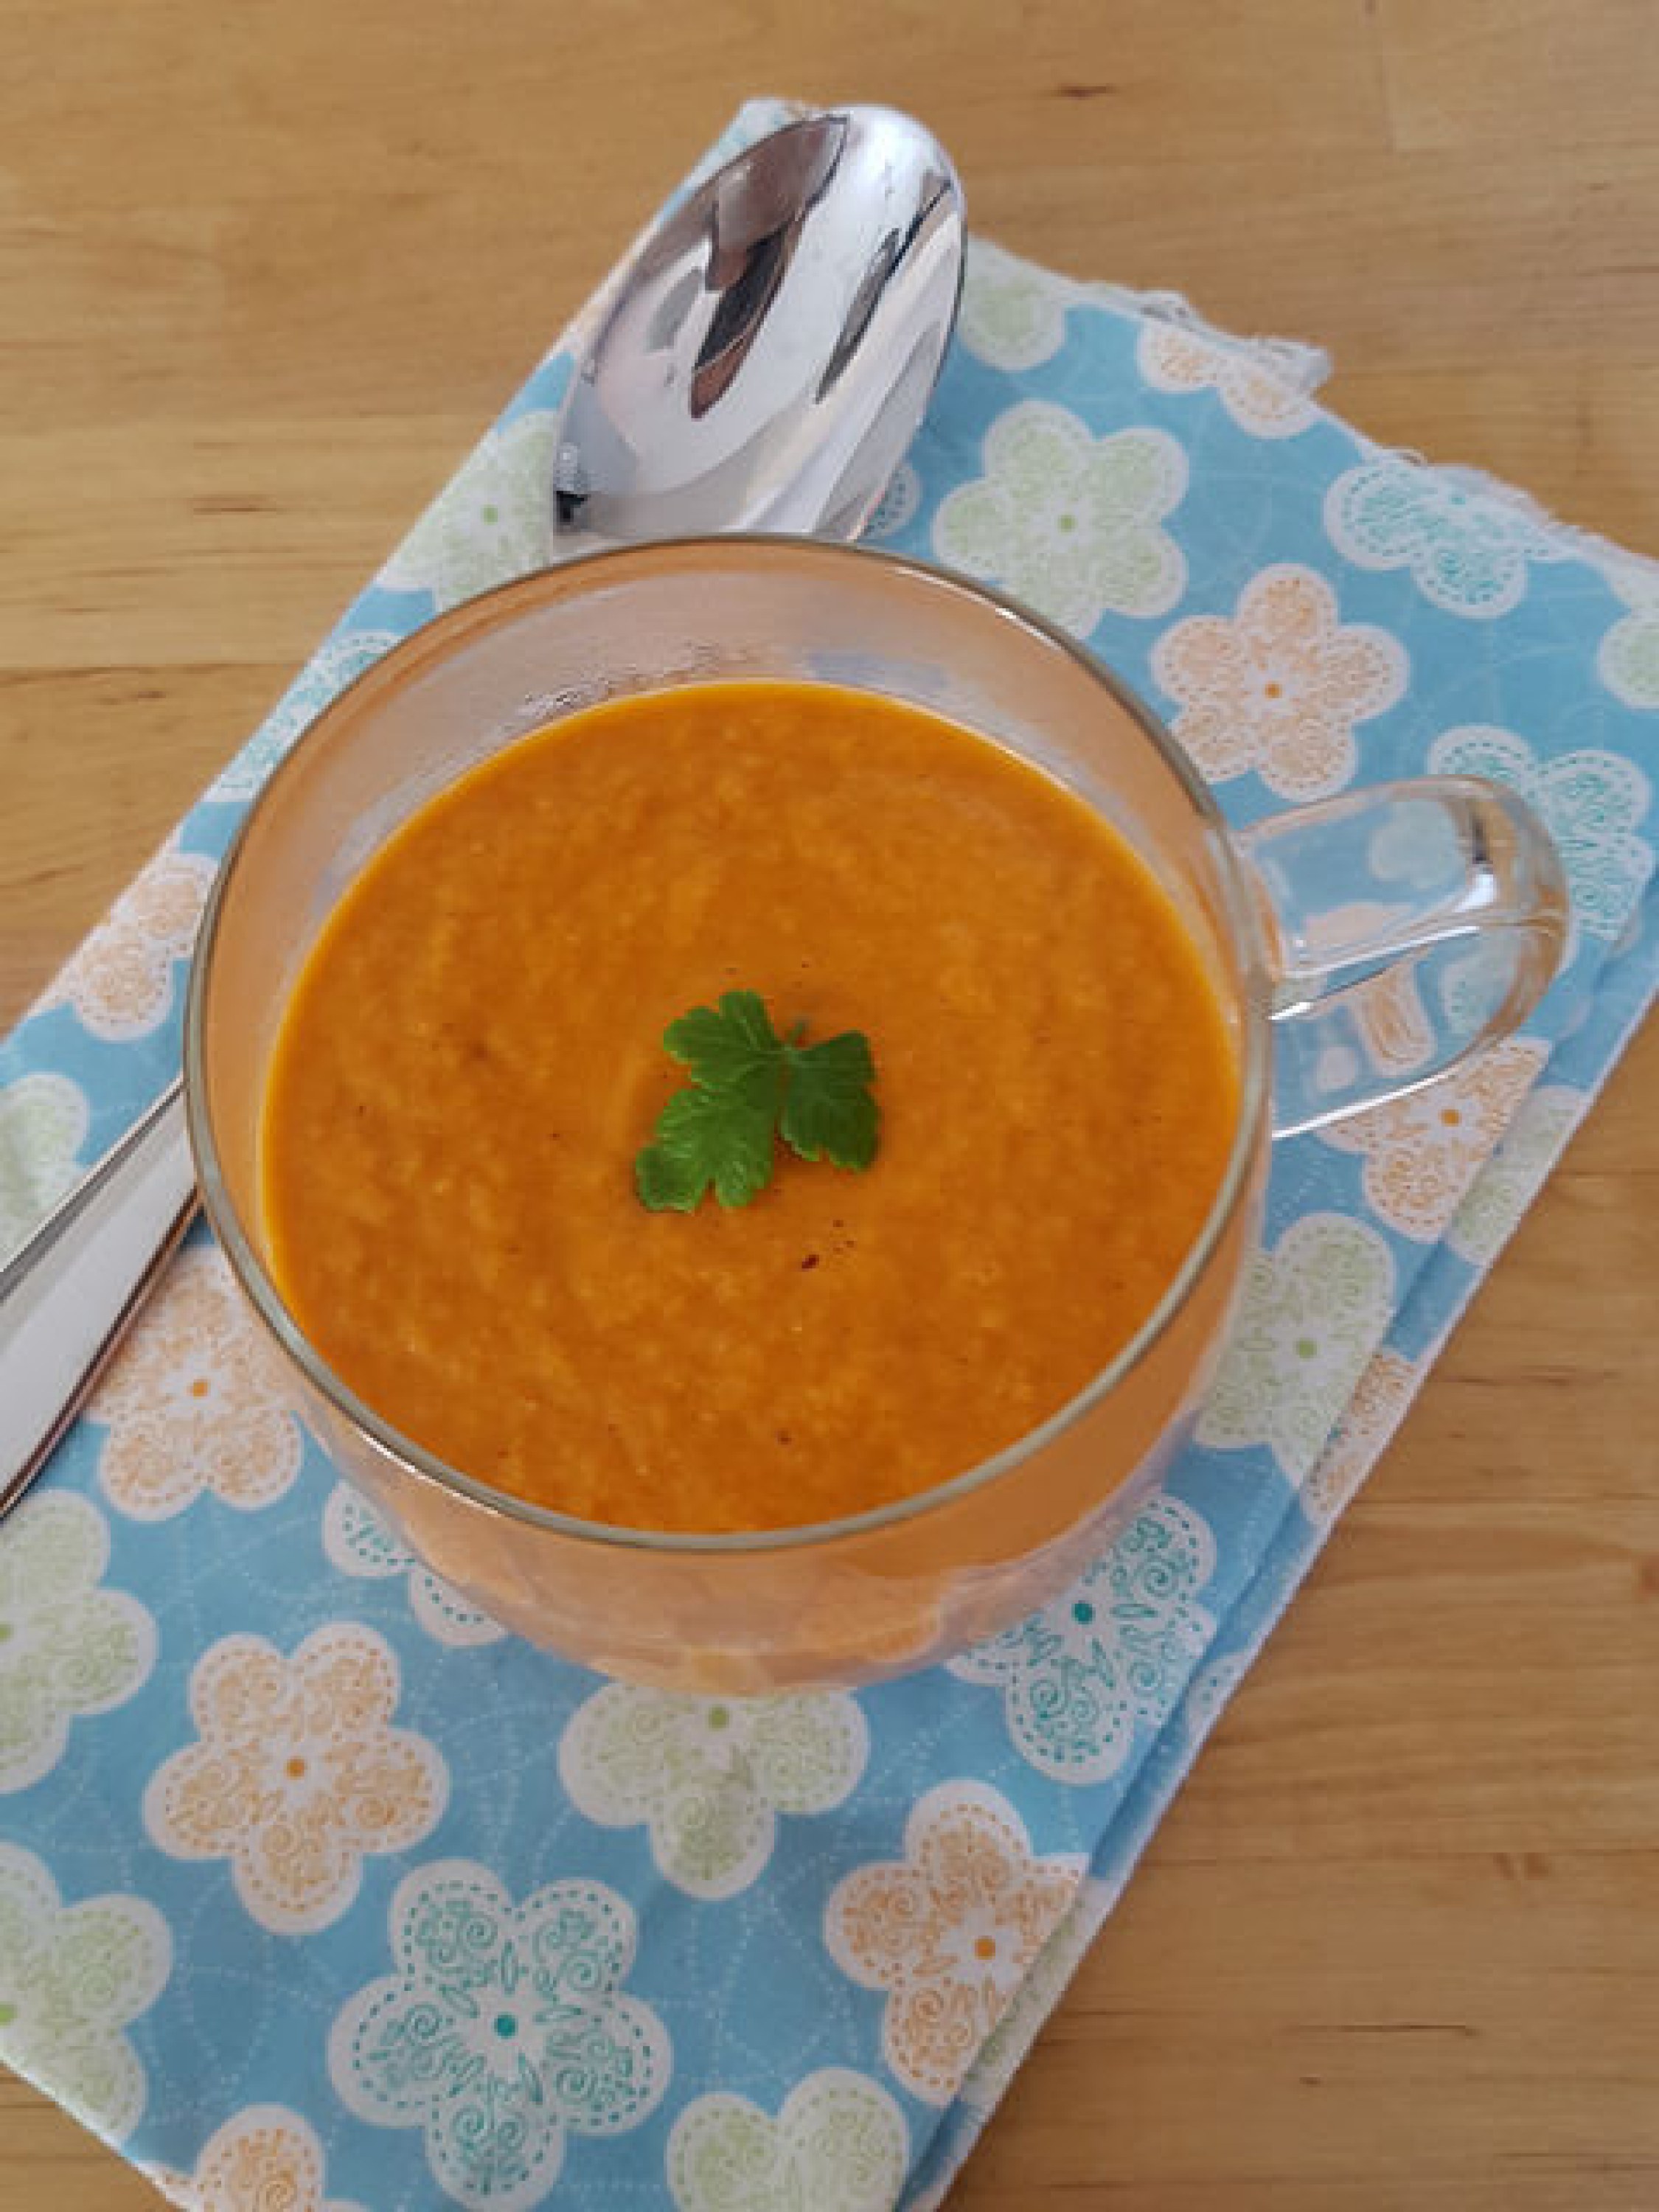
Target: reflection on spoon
771, 351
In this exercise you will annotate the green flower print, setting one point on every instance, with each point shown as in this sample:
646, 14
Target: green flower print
1014, 314
1591, 802
708, 1776
43, 1126
337, 663
72, 1978
838, 2144
1628, 661
1467, 546
1068, 522
1108, 1655
1313, 1312
503, 2029
491, 523
68, 1648
359, 1542
1493, 1206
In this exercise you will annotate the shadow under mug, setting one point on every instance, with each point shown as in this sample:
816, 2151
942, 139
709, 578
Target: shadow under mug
1359, 947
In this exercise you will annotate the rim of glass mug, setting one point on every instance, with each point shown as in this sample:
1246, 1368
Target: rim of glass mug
1271, 989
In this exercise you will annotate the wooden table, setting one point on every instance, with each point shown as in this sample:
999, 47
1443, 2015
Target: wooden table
266, 272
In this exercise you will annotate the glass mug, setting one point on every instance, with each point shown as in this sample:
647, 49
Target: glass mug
1359, 947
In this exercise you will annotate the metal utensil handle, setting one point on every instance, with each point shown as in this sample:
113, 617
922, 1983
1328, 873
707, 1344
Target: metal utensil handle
67, 1296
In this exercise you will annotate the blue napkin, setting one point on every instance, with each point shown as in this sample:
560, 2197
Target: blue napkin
311, 1880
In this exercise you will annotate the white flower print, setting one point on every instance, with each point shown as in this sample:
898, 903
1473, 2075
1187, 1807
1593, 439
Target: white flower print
359, 1542
69, 1648
709, 1776
492, 522
1314, 1309
1070, 522
1108, 1655
838, 2144
43, 1126
73, 1978
1591, 802
1466, 547
503, 2030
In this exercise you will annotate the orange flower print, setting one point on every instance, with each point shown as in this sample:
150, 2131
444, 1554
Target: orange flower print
1280, 687
192, 1403
1375, 1412
264, 2159
1422, 1152
298, 1774
1393, 1021
1041, 1991
1263, 386
950, 1930
120, 983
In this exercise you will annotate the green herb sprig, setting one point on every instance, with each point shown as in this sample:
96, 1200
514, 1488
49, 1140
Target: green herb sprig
749, 1086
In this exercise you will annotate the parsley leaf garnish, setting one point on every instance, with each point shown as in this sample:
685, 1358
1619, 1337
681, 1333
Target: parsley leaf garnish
749, 1086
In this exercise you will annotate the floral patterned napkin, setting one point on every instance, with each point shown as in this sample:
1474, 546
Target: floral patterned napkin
314, 1886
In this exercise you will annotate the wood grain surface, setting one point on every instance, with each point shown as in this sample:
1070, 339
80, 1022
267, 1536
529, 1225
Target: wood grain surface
266, 271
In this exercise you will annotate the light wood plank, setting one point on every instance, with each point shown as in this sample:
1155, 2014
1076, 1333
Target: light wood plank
1524, 76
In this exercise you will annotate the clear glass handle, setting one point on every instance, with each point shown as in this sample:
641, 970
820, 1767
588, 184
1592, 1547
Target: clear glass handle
1408, 926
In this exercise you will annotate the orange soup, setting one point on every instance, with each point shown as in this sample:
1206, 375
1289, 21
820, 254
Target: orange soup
473, 1055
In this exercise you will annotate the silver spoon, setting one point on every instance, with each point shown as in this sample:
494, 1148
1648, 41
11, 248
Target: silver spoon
762, 361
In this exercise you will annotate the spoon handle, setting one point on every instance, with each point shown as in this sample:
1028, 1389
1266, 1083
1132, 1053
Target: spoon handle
67, 1296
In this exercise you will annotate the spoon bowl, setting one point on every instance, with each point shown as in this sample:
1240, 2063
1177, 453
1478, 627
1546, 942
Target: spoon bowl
770, 351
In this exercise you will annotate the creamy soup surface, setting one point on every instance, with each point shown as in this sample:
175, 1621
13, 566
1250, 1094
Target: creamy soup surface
473, 1055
